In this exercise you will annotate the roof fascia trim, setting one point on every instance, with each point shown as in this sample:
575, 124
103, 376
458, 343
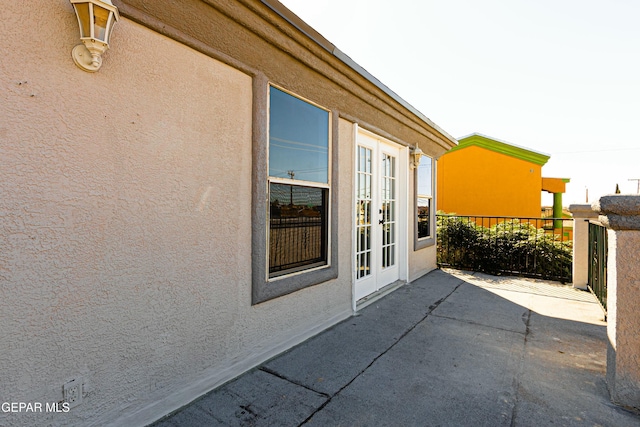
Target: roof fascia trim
502, 148
315, 36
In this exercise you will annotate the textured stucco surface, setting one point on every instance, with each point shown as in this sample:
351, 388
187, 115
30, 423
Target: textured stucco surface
580, 268
126, 230
619, 212
623, 318
346, 211
421, 262
621, 215
627, 205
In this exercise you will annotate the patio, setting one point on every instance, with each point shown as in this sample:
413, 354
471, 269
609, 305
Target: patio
451, 348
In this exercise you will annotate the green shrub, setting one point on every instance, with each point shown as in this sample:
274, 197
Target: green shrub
508, 247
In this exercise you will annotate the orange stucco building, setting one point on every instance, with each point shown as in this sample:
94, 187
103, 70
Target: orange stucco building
486, 177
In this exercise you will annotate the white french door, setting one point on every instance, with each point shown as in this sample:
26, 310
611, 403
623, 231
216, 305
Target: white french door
379, 224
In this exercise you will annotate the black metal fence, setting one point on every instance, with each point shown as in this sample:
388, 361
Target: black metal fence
530, 247
597, 278
296, 242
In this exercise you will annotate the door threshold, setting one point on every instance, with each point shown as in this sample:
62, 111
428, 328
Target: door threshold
371, 298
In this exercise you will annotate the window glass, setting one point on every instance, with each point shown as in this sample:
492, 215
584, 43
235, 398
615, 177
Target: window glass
298, 213
297, 227
425, 186
424, 197
298, 139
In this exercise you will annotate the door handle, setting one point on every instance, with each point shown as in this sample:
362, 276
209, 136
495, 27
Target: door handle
381, 221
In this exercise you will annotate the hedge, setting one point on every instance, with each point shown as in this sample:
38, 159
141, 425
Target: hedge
512, 246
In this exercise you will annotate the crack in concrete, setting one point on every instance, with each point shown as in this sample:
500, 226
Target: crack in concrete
471, 322
430, 309
284, 377
526, 319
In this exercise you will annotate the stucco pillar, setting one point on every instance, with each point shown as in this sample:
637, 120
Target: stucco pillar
621, 215
581, 216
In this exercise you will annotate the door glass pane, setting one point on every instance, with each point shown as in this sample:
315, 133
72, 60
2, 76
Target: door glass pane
388, 203
363, 213
385, 231
383, 188
392, 189
368, 263
384, 256
392, 237
367, 212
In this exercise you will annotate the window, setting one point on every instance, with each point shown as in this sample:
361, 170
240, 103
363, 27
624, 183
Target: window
298, 182
424, 203
294, 216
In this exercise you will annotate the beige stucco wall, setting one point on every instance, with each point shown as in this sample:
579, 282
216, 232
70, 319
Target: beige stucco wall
623, 326
346, 154
126, 234
421, 261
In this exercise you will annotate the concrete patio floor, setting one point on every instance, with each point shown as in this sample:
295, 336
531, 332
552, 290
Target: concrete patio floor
450, 349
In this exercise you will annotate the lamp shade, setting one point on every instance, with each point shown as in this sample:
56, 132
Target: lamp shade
95, 20
417, 156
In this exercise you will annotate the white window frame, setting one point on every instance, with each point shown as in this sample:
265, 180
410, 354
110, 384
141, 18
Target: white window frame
430, 240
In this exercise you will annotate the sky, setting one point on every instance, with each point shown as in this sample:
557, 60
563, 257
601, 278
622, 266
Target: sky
561, 77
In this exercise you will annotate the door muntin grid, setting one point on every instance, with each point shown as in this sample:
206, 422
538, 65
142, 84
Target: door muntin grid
363, 213
388, 211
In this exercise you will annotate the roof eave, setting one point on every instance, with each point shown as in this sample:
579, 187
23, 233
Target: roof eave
316, 37
506, 148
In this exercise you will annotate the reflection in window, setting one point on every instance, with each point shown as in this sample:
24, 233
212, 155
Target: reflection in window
298, 139
424, 196
297, 227
298, 214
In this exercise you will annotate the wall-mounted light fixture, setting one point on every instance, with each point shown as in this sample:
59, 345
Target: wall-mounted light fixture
95, 19
416, 156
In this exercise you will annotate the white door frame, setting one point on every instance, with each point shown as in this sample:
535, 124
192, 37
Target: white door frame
380, 278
